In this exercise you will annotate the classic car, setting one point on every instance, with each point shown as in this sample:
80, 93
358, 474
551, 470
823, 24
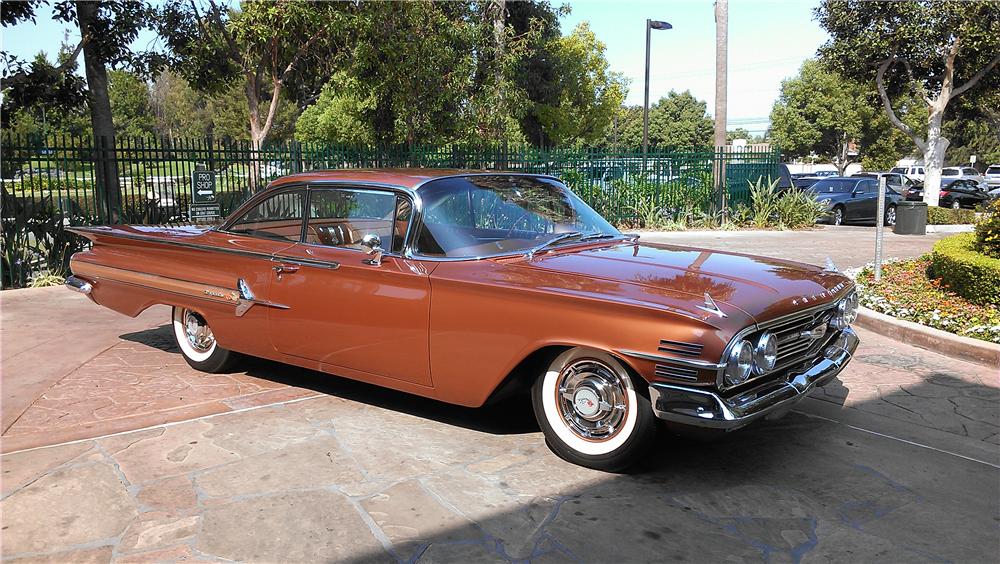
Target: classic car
854, 199
471, 287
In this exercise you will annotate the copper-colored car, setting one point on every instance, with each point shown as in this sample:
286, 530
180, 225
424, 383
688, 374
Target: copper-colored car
470, 287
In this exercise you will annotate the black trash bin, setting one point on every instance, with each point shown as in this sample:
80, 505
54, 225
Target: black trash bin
911, 218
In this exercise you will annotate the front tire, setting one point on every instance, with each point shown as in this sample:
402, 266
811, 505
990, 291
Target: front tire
592, 411
838, 216
197, 343
955, 205
890, 216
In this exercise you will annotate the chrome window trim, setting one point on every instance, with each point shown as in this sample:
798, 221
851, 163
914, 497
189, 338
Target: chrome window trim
256, 199
374, 187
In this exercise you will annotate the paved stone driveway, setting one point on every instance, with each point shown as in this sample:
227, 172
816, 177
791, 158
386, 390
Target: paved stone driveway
897, 463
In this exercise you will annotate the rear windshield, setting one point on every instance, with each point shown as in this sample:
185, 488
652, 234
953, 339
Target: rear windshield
993, 170
899, 170
834, 185
949, 172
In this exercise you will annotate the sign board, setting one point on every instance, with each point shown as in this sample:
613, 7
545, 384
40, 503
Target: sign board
205, 212
203, 187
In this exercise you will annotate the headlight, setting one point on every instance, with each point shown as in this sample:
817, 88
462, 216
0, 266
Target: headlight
847, 312
765, 354
740, 363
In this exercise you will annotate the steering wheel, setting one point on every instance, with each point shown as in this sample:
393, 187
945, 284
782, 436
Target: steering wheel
513, 225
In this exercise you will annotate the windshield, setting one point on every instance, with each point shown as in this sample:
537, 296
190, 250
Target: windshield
949, 172
899, 170
486, 215
834, 186
993, 170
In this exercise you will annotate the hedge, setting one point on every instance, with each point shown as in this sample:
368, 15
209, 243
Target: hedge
972, 275
948, 216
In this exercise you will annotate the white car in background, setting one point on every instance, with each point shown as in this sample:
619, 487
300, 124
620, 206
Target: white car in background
914, 172
992, 175
965, 172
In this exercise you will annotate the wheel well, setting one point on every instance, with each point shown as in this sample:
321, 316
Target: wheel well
523, 375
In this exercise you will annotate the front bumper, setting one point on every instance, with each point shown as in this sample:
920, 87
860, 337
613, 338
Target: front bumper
707, 409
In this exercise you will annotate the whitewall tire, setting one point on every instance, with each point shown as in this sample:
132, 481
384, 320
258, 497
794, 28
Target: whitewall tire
592, 411
197, 342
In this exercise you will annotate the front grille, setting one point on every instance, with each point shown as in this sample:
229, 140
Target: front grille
665, 371
796, 339
680, 348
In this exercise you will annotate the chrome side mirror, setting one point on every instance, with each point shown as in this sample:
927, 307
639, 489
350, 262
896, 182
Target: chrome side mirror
373, 244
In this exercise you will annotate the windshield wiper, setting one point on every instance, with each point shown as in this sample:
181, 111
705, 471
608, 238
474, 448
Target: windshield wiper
561, 237
597, 236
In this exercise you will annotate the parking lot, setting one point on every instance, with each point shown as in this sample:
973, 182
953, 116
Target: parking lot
117, 451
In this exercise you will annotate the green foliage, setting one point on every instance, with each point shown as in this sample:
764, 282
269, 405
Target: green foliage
770, 209
676, 121
35, 241
947, 216
338, 115
970, 274
130, 104
908, 290
988, 231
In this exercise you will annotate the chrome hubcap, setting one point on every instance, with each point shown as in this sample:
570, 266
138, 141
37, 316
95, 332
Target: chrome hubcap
591, 399
199, 336
890, 216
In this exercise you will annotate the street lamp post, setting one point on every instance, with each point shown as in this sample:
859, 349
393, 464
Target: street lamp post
650, 25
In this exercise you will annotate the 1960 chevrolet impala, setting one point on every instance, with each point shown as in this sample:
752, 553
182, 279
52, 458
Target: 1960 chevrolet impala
468, 287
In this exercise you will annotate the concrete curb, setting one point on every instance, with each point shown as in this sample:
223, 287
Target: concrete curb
958, 228
943, 342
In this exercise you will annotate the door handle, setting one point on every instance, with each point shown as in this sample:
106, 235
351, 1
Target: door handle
286, 269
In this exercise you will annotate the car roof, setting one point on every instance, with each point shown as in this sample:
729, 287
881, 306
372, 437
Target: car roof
404, 177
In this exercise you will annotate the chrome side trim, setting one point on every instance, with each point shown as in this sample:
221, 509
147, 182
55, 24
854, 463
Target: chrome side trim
707, 409
327, 264
78, 285
685, 362
182, 244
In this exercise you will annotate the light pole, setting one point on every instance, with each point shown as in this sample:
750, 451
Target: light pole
650, 25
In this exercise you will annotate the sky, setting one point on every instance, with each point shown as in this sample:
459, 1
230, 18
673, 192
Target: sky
768, 40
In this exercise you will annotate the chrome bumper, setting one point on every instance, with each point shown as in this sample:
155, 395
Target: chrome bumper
705, 408
78, 285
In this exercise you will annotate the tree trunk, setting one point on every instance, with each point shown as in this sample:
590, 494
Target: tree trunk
934, 158
108, 191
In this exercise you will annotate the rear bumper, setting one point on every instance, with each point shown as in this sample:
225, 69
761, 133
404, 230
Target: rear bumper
78, 285
707, 409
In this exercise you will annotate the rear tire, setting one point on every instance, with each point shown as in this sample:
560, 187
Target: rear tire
890, 216
593, 412
955, 204
197, 343
838, 216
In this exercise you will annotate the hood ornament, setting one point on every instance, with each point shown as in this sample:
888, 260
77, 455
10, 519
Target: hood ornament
830, 267
711, 307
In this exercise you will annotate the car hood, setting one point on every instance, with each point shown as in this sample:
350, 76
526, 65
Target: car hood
759, 287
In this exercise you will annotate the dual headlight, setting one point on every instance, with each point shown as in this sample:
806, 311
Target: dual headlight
747, 357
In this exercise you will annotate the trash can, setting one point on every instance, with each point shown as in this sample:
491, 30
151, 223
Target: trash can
911, 218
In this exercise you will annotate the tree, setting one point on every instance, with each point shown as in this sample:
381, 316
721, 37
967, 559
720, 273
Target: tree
743, 133
589, 94
263, 47
338, 115
130, 104
936, 51
821, 112
107, 30
677, 121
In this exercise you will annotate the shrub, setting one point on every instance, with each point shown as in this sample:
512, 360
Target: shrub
988, 231
970, 274
768, 208
947, 216
907, 292
35, 241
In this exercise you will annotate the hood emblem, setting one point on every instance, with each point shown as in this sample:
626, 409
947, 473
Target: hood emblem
816, 332
815, 297
711, 307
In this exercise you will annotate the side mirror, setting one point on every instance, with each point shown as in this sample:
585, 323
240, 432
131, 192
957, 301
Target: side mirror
373, 244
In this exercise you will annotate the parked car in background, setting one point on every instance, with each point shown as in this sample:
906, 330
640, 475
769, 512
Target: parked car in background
804, 182
915, 172
490, 286
854, 199
955, 193
966, 172
992, 176
898, 182
825, 173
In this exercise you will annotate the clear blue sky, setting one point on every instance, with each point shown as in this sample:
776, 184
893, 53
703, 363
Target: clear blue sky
768, 40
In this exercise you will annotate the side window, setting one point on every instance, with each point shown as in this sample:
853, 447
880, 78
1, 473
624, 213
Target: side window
342, 217
870, 186
277, 217
893, 181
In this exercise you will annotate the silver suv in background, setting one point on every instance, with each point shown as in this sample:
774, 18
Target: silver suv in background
966, 172
915, 172
993, 176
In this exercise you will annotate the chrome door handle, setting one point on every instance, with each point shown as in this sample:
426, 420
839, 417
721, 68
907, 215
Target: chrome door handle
286, 269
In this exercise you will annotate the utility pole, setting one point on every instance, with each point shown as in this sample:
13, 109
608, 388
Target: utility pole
721, 81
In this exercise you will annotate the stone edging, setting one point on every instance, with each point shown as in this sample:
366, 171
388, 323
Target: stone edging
951, 228
943, 342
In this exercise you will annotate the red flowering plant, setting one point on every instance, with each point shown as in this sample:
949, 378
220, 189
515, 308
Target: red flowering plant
907, 292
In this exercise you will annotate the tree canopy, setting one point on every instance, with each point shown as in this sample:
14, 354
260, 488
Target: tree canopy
677, 121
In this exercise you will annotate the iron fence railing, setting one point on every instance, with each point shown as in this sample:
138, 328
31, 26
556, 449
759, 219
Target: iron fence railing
146, 180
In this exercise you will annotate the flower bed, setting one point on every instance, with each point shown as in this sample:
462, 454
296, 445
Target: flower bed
907, 292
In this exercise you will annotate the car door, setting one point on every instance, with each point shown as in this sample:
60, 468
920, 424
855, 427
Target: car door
343, 310
859, 204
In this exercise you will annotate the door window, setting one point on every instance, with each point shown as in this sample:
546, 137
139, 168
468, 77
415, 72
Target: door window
277, 217
342, 217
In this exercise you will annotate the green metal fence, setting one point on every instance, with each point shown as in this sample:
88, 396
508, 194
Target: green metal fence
148, 180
